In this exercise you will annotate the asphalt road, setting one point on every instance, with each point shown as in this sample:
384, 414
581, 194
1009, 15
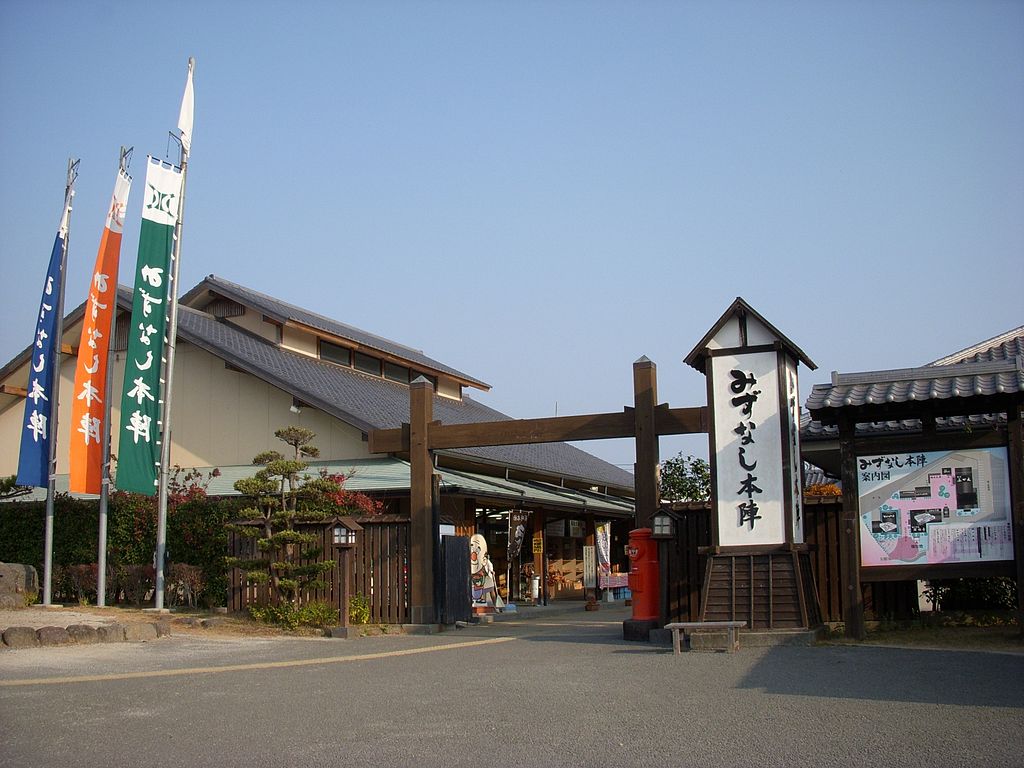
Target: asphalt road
557, 690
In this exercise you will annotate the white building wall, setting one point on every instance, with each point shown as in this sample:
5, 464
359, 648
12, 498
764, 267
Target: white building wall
218, 416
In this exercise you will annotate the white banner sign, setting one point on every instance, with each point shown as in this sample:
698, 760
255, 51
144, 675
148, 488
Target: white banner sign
748, 449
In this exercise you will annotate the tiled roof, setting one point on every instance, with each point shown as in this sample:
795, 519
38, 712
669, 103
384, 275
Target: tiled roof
961, 380
989, 369
370, 402
363, 401
1006, 346
283, 311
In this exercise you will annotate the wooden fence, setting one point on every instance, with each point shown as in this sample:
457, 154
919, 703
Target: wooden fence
381, 568
683, 567
242, 593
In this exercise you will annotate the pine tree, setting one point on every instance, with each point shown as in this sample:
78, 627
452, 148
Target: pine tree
284, 496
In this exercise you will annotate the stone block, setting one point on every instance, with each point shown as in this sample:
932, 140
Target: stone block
638, 629
20, 637
163, 628
53, 636
16, 579
135, 633
83, 634
110, 633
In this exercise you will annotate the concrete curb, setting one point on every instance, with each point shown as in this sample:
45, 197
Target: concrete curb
708, 640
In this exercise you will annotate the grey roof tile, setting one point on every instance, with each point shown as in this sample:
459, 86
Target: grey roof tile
1005, 346
283, 311
370, 402
989, 368
960, 380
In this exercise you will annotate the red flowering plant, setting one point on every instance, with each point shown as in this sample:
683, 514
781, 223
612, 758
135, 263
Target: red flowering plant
354, 501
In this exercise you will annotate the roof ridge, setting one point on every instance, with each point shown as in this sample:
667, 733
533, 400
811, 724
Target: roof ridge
957, 358
973, 368
222, 281
284, 310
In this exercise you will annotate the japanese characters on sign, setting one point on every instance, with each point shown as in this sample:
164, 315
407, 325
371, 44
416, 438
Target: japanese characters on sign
748, 449
745, 397
34, 456
140, 431
89, 406
925, 508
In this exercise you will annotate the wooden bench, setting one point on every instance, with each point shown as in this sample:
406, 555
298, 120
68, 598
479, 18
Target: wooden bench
687, 627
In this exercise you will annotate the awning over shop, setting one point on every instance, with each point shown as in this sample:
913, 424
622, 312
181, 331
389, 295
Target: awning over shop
389, 475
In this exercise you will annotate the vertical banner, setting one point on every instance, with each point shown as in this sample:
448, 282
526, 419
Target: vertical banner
792, 428
603, 541
140, 430
34, 457
89, 406
518, 522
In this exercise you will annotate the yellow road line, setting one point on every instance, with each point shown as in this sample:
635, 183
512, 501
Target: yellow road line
245, 667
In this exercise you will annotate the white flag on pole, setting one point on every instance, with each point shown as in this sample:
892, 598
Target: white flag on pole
187, 106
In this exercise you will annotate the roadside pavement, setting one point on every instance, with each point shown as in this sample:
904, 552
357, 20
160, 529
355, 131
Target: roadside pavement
538, 689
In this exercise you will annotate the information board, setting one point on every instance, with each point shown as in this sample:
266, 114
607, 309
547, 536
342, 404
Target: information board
925, 508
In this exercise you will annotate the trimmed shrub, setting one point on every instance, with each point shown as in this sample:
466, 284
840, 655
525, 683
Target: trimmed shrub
195, 537
996, 593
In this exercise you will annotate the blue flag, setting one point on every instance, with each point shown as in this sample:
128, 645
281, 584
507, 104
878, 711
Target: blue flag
34, 459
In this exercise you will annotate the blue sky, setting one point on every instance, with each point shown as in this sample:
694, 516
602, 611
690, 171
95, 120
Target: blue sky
540, 193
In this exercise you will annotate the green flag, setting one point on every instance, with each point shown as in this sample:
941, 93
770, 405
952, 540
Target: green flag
138, 454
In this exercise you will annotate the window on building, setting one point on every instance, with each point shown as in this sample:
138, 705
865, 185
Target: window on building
333, 353
367, 363
396, 372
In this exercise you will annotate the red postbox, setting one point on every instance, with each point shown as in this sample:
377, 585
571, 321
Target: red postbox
643, 574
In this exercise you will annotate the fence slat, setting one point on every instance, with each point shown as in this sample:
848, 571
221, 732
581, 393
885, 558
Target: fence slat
683, 568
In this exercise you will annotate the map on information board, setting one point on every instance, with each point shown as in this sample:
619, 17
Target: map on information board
924, 508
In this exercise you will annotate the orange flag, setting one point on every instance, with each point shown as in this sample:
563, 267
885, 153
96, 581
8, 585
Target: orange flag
89, 411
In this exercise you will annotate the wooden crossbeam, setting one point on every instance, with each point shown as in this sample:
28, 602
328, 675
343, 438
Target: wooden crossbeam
10, 389
556, 429
680, 421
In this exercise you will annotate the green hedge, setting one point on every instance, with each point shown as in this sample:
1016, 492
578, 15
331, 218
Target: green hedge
195, 534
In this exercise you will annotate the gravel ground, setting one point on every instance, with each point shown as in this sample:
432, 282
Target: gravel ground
37, 617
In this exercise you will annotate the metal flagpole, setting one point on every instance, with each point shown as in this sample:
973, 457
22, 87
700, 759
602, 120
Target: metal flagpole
172, 335
55, 394
101, 561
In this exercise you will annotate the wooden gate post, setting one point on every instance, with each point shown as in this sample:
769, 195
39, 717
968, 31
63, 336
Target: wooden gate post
852, 598
1015, 451
421, 517
645, 400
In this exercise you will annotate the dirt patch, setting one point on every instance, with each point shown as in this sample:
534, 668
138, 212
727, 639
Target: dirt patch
1003, 639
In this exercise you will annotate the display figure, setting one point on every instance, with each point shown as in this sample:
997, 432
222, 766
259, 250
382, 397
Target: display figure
481, 570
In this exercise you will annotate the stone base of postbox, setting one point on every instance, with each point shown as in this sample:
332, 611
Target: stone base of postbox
639, 629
